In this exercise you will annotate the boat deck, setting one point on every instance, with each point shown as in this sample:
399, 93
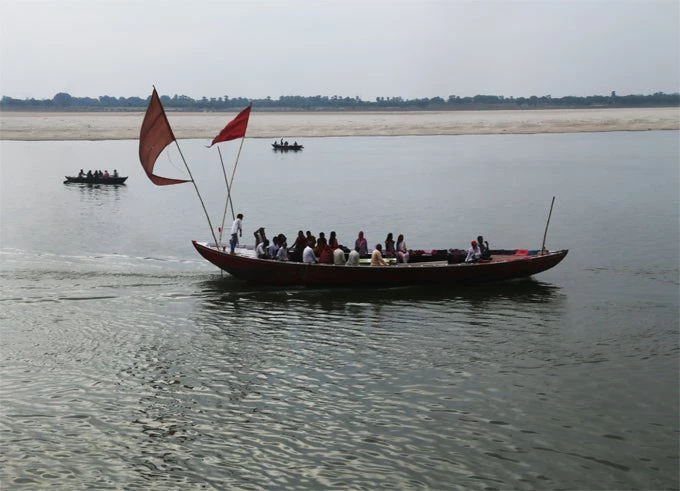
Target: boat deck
505, 257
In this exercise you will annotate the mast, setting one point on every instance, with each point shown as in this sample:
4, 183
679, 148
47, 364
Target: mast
546, 225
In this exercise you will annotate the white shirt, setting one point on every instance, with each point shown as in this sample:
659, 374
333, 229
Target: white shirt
236, 226
473, 253
353, 259
282, 254
308, 255
338, 257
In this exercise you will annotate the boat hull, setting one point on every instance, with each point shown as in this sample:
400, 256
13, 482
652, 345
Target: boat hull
85, 180
270, 272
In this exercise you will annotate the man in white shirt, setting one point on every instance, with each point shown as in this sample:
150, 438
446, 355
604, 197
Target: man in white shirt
473, 253
236, 231
282, 254
308, 255
339, 257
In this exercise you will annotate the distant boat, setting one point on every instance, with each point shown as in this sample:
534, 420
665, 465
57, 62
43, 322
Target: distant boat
284, 148
95, 180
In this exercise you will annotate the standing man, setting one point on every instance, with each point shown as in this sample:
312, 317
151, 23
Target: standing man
236, 231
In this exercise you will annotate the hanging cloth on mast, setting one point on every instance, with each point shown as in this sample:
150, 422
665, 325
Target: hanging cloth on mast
154, 136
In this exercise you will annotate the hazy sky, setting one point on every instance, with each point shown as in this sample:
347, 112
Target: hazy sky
365, 48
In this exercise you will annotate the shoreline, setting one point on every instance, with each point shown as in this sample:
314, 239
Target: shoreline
48, 126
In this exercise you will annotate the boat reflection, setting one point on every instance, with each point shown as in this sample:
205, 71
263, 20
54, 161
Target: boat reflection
216, 293
97, 192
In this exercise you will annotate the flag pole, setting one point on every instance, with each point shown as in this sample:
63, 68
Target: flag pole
228, 201
198, 193
230, 186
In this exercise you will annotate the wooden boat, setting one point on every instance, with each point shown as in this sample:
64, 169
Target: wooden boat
93, 180
510, 265
285, 148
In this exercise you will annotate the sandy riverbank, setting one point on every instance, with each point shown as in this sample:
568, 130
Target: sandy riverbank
125, 126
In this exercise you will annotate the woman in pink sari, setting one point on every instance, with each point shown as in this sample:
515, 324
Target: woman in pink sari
360, 245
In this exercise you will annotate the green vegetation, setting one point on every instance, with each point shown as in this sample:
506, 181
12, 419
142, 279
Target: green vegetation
66, 102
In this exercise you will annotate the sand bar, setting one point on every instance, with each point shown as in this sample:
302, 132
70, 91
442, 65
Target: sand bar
38, 126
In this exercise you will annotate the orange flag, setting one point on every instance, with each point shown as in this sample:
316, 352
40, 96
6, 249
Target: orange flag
154, 136
236, 128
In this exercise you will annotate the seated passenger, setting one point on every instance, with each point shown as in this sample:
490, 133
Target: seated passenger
259, 236
333, 241
483, 248
389, 246
115, 172
353, 259
308, 255
273, 248
360, 245
261, 249
402, 251
310, 238
320, 244
326, 255
376, 256
473, 253
299, 246
81, 173
339, 257
282, 254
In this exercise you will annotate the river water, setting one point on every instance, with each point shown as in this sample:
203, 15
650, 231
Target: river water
128, 362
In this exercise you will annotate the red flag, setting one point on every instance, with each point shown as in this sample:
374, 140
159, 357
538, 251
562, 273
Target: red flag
154, 136
236, 128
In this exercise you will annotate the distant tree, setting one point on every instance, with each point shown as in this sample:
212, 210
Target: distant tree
62, 99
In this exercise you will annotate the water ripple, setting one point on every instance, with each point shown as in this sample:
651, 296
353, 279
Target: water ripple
169, 380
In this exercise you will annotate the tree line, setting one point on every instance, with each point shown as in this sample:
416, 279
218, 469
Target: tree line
66, 102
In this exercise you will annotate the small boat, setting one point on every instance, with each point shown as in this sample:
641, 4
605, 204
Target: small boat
95, 180
284, 148
507, 265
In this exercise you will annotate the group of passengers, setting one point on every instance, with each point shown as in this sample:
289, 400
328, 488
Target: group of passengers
285, 144
308, 248
478, 251
97, 174
276, 249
